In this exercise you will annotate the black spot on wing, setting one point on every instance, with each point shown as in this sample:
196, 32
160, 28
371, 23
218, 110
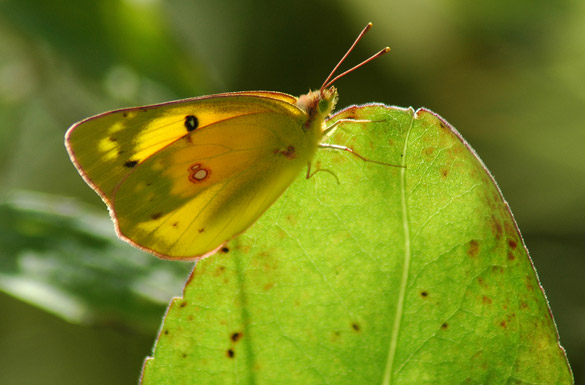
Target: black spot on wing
191, 123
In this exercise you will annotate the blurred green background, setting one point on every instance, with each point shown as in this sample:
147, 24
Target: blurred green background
510, 76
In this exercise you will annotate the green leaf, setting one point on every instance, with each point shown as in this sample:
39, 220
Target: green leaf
58, 255
413, 275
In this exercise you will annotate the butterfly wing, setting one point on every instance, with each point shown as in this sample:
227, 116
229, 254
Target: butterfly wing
181, 178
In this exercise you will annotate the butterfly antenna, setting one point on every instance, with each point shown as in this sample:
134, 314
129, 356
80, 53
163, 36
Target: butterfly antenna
377, 55
329, 82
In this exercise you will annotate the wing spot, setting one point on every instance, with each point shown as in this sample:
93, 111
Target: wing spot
156, 216
191, 122
289, 152
131, 163
197, 173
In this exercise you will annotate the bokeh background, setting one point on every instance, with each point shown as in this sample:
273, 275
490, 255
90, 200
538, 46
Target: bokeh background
509, 75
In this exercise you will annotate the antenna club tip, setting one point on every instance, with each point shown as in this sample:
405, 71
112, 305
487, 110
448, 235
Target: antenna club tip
370, 24
387, 49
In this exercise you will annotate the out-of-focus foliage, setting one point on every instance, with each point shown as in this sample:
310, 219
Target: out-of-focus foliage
62, 257
508, 75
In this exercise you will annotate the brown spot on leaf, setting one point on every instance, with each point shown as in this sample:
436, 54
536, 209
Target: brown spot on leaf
268, 286
512, 243
473, 248
504, 324
424, 294
184, 355
335, 336
444, 326
487, 300
292, 219
355, 326
236, 336
183, 304
224, 250
166, 332
219, 271
350, 113
496, 227
511, 256
230, 353
444, 172
529, 284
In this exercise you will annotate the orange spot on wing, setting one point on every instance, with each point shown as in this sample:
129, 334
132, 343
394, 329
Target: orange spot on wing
197, 173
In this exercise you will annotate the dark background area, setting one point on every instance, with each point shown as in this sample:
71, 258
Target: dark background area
510, 76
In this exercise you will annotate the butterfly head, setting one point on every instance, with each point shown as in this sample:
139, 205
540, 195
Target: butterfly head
318, 103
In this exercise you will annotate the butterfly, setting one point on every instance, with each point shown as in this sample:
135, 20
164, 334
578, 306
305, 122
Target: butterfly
181, 178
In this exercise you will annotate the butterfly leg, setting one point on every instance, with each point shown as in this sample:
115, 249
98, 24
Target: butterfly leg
332, 127
351, 151
310, 174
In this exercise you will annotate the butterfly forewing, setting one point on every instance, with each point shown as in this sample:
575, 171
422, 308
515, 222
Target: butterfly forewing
108, 146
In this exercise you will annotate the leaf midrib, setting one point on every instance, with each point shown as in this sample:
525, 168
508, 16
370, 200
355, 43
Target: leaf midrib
406, 264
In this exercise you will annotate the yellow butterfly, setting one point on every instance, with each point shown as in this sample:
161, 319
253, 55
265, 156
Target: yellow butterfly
181, 178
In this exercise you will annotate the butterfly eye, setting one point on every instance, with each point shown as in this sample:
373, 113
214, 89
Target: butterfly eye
324, 106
